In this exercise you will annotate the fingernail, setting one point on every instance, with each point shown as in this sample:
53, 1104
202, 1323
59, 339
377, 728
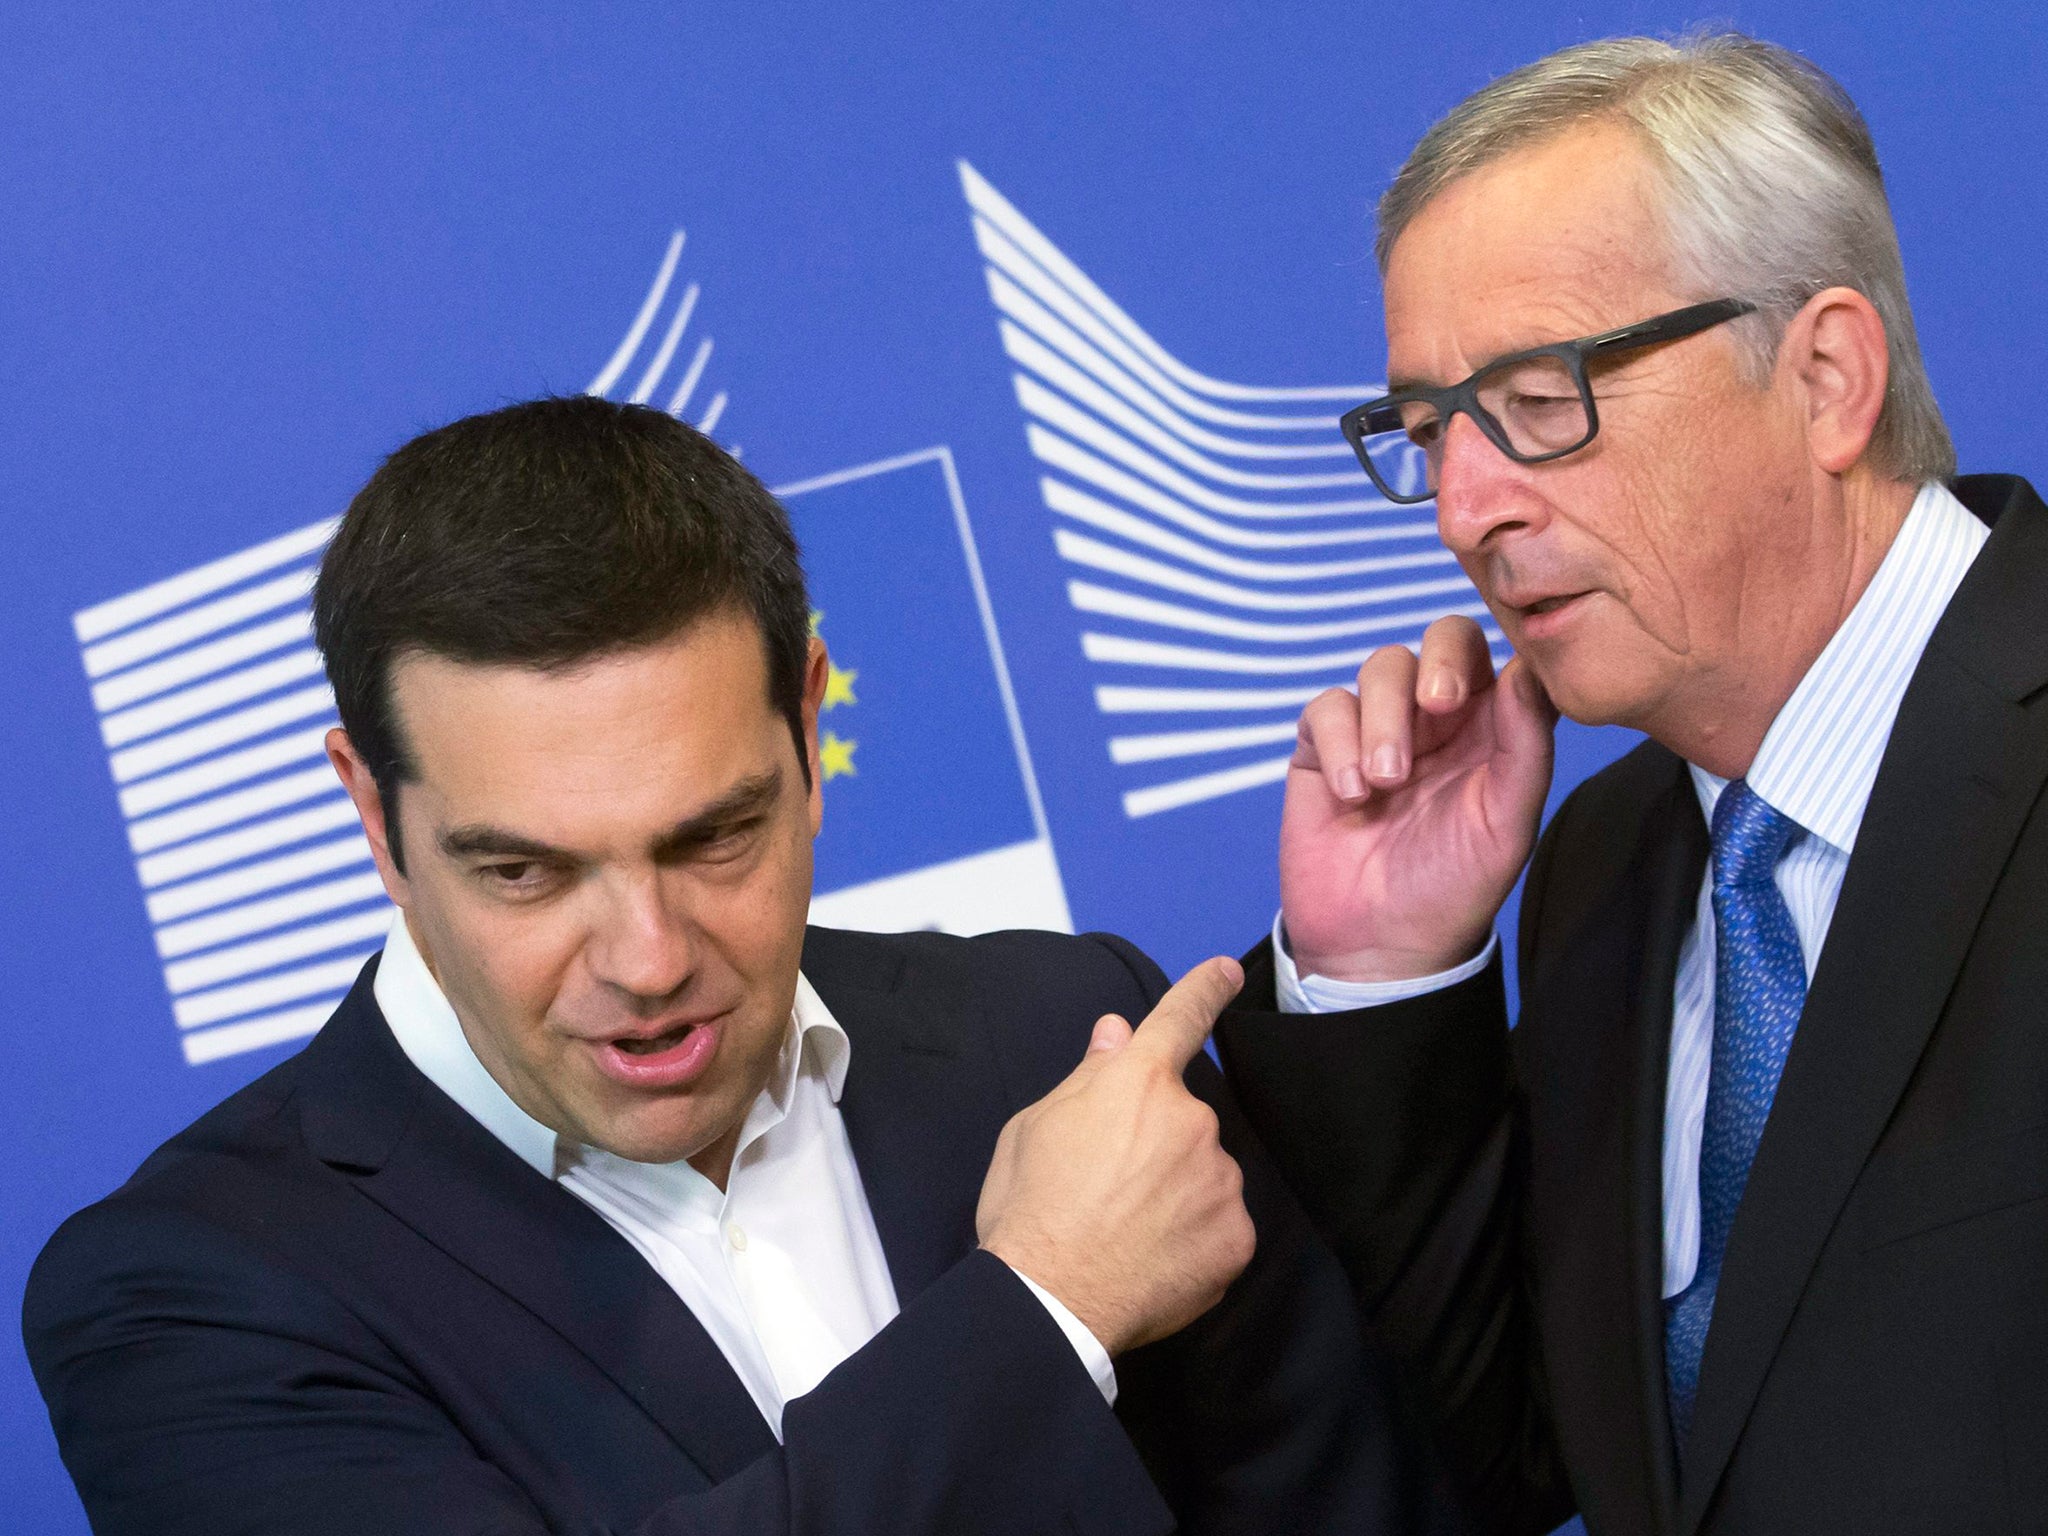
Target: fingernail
1386, 762
1443, 686
1351, 783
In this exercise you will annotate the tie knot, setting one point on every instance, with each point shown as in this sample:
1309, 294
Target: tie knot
1750, 835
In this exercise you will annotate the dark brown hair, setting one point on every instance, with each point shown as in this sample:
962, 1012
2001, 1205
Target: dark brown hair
544, 535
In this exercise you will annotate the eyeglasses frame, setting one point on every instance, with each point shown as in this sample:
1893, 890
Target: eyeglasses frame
1675, 325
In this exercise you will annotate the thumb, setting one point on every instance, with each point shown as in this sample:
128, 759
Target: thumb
1525, 724
1110, 1034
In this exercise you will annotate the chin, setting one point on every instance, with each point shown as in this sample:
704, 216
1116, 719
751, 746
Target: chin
652, 1142
1591, 694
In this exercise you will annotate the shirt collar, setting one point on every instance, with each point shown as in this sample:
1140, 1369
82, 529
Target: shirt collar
1820, 757
427, 1030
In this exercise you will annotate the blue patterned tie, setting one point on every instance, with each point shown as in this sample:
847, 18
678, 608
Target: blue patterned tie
1759, 988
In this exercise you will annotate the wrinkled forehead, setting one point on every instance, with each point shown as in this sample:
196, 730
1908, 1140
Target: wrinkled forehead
1559, 239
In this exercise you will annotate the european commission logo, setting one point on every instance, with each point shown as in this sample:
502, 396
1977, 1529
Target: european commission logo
255, 874
1227, 559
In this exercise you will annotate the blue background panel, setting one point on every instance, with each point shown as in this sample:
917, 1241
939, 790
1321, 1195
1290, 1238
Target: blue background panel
248, 250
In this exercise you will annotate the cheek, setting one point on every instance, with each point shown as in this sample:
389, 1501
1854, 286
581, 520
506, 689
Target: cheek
508, 965
750, 921
1667, 537
763, 919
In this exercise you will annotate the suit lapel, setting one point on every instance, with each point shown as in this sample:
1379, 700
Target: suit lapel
1599, 991
1670, 890
368, 1111
922, 1104
1965, 763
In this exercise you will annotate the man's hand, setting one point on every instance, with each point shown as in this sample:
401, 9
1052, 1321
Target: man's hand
1113, 1192
1412, 806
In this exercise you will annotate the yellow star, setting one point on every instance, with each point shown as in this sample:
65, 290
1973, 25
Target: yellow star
837, 757
817, 618
839, 685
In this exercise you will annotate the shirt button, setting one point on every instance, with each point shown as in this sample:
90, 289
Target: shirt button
737, 1236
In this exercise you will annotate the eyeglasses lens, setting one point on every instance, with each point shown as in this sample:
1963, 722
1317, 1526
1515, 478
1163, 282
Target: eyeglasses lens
1398, 439
1537, 403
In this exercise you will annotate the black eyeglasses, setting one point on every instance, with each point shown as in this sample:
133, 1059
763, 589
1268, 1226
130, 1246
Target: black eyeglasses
1533, 406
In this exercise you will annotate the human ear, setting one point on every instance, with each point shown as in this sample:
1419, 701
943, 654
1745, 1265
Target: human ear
362, 789
817, 671
1836, 347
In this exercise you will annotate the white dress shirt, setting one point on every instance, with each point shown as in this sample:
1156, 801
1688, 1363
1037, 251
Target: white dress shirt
783, 1267
1817, 764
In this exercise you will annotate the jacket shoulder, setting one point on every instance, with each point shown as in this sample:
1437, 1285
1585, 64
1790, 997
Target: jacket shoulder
1033, 995
206, 1228
238, 1180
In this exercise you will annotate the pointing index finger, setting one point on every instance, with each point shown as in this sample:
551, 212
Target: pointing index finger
1175, 1029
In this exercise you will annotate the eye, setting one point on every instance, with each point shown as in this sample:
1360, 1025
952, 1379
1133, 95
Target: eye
512, 875
728, 842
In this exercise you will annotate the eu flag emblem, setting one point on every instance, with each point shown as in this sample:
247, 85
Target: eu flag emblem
932, 817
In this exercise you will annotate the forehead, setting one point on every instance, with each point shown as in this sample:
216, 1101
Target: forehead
681, 717
1560, 239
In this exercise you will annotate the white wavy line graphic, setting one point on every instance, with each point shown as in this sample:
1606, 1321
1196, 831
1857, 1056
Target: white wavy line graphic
1193, 506
656, 368
637, 331
667, 349
992, 206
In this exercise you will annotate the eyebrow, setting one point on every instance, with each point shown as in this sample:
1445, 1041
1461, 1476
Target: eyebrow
747, 798
744, 799
1395, 386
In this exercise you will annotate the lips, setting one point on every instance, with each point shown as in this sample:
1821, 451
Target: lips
1546, 617
665, 1058
653, 1045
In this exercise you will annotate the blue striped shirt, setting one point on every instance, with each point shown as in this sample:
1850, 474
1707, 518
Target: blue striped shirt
1817, 764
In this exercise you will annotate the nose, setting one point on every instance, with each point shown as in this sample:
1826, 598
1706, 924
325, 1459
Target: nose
644, 943
1480, 491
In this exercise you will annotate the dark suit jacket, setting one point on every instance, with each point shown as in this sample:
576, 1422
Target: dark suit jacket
338, 1304
1878, 1359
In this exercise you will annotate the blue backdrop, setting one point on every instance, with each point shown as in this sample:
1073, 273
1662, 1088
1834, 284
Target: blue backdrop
1039, 320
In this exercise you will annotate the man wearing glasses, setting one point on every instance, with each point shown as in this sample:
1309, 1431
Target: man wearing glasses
1745, 1227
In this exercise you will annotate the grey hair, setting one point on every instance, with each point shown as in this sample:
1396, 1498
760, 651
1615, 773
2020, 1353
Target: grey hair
1771, 185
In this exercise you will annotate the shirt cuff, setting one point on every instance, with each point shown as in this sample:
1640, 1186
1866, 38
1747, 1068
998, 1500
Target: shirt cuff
1323, 994
1086, 1345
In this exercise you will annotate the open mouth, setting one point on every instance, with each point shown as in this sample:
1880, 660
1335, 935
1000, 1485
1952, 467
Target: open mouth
654, 1045
1551, 604
669, 1060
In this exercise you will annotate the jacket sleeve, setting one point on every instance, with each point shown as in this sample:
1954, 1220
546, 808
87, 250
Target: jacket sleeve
1400, 1129
200, 1389
1273, 1412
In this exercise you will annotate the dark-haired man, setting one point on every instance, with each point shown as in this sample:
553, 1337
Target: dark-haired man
610, 1200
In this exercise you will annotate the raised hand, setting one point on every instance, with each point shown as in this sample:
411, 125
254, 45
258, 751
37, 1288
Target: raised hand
1411, 808
1112, 1191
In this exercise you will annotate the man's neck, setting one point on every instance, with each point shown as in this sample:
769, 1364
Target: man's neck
1722, 727
715, 1161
